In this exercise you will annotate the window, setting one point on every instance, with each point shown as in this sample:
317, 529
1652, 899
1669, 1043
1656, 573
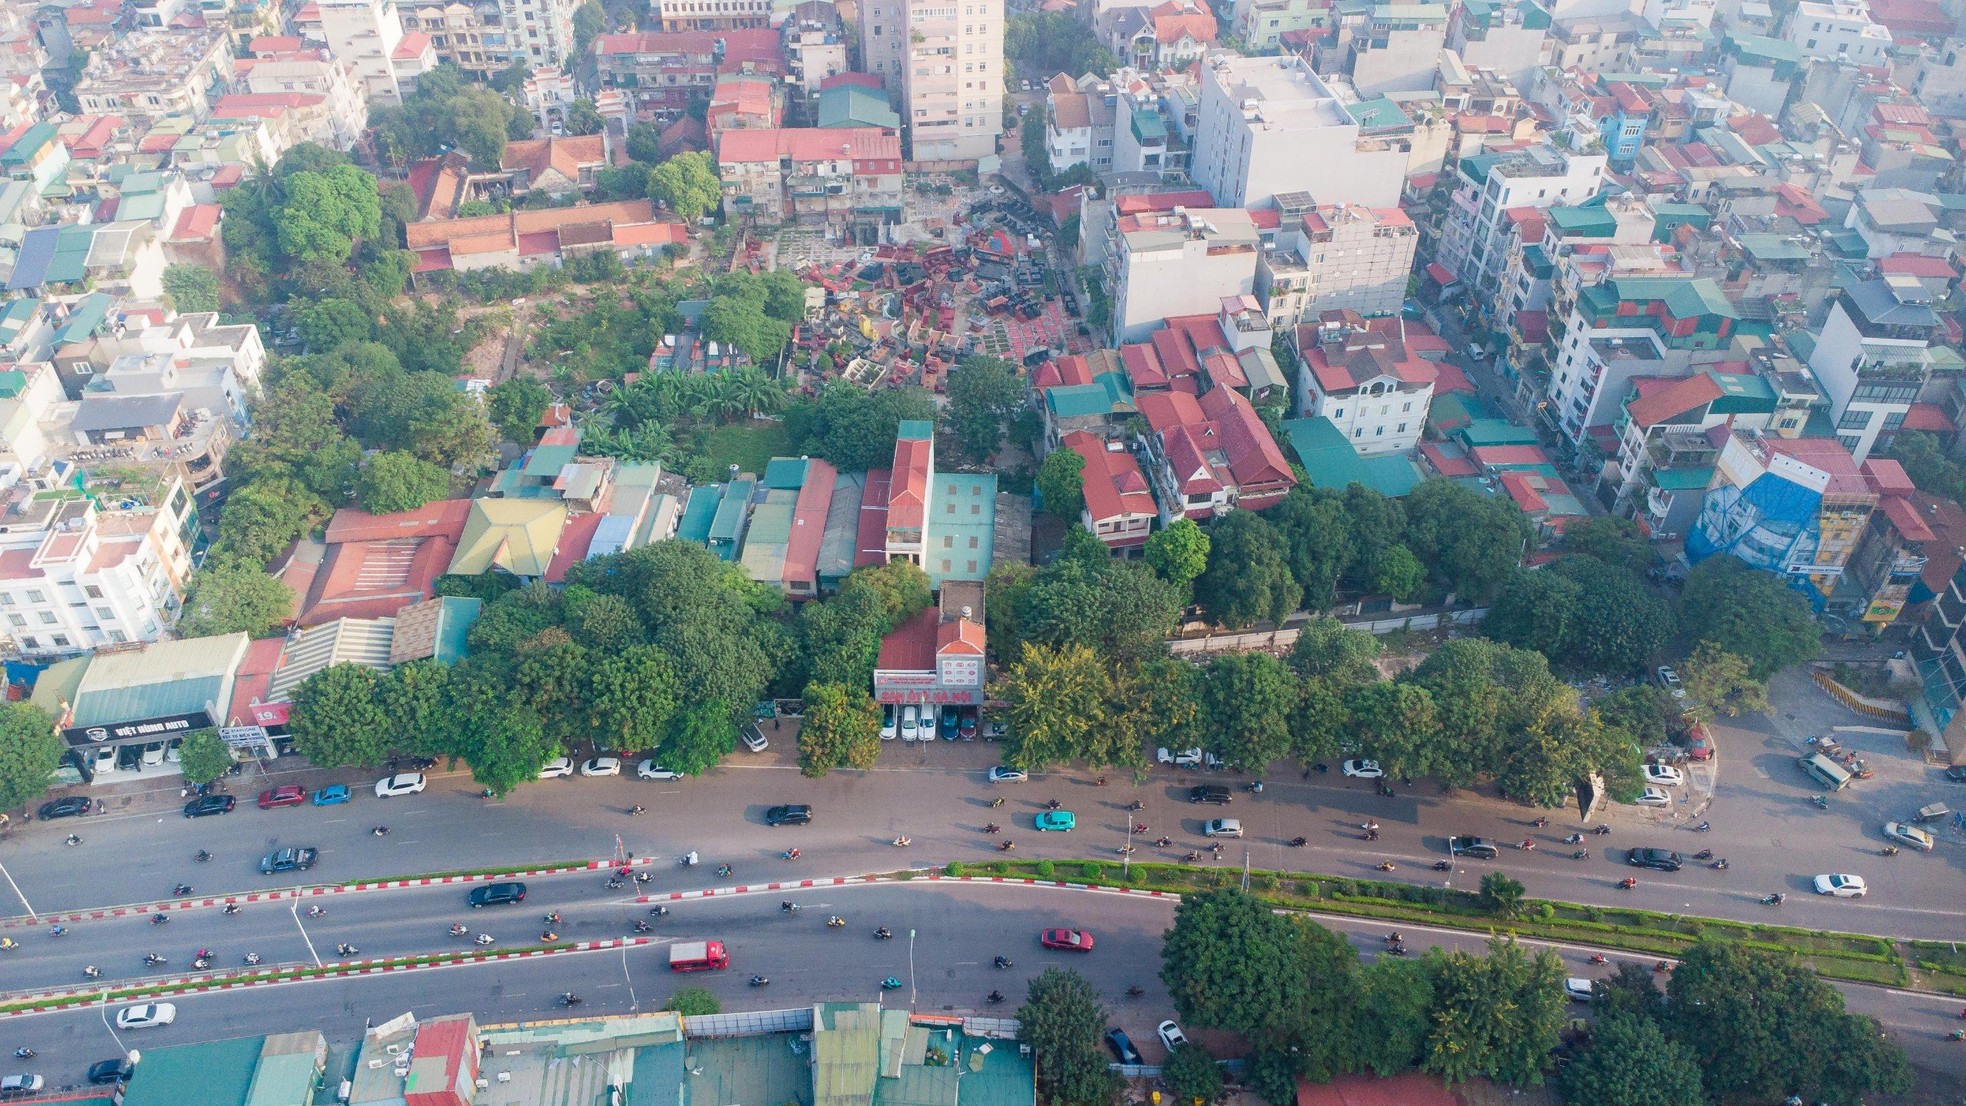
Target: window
36, 595
1359, 433
1379, 431
92, 591
105, 613
1853, 420
47, 618
118, 636
1338, 414
60, 641
972, 543
17, 620
1893, 421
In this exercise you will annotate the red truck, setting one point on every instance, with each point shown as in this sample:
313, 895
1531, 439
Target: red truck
698, 956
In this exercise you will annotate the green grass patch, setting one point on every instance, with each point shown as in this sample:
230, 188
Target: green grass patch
747, 445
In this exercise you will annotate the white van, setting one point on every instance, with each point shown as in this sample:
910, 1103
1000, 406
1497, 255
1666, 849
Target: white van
1824, 771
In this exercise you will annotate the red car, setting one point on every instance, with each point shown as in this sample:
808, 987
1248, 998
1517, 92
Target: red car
290, 795
1071, 940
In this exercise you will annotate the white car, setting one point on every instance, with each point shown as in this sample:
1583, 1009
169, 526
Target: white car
1839, 886
1001, 774
910, 722
557, 767
407, 783
1186, 758
147, 1015
105, 759
1664, 774
1171, 1035
1669, 680
1578, 988
601, 766
887, 722
1363, 769
1903, 834
1653, 796
650, 770
754, 739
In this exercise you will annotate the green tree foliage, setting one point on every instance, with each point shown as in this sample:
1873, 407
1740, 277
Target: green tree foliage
1376, 524
1247, 579
335, 720
204, 756
1631, 1063
854, 428
633, 694
1120, 608
1055, 701
1749, 614
191, 287
415, 699
754, 313
842, 635
1400, 575
1766, 1026
229, 597
324, 214
1486, 697
1718, 682
1191, 1075
1247, 699
1618, 626
583, 117
1062, 1021
693, 1002
1615, 541
449, 111
1536, 609
330, 323
1154, 702
1061, 484
1470, 542
397, 481
645, 143
515, 406
983, 393
262, 518
841, 729
1178, 552
1398, 725
1472, 1036
1389, 1024
687, 184
1925, 461
1041, 45
1317, 530
29, 751
1328, 649
1031, 140
1501, 893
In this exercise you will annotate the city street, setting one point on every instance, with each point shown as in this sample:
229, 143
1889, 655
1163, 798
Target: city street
945, 937
938, 795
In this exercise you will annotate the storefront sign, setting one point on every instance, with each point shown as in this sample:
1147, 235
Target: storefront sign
142, 729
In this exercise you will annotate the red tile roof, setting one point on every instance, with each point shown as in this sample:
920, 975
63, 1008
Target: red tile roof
1928, 416
860, 144
870, 535
196, 223
907, 497
564, 154
1115, 488
1654, 407
1888, 477
1905, 517
809, 523
1446, 464
911, 647
1344, 351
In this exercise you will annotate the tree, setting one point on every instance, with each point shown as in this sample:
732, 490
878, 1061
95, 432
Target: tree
1246, 580
204, 756
699, 737
1631, 1063
693, 1002
1062, 1022
1317, 530
1154, 702
1120, 608
583, 117
1470, 542
1748, 613
335, 720
515, 406
1061, 484
191, 287
1615, 541
262, 518
1178, 552
29, 751
841, 729
632, 695
1400, 575
1925, 461
331, 323
1397, 724
1472, 1035
854, 428
687, 184
1191, 1075
322, 215
1535, 609
741, 323
1718, 682
983, 392
1501, 894
1389, 1024
415, 699
230, 597
1055, 701
1620, 625
1040, 44
1328, 649
645, 143
1247, 699
397, 481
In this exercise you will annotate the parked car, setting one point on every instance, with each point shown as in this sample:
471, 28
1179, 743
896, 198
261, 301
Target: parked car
556, 768
1067, 940
1362, 769
1956, 773
753, 738
1122, 1047
1064, 821
1170, 1035
153, 754
174, 750
209, 804
1212, 794
888, 723
15, 1085
601, 766
288, 860
104, 1073
405, 783
1904, 833
650, 770
1222, 827
1653, 796
966, 723
105, 759
1659, 860
1186, 758
790, 814
1664, 774
1578, 988
1699, 743
284, 795
1001, 774
1480, 848
334, 794
146, 1016
129, 758
910, 722
1840, 886
496, 894
1669, 680
68, 806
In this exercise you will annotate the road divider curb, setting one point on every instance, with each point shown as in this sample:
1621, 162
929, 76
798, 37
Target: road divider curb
82, 998
934, 877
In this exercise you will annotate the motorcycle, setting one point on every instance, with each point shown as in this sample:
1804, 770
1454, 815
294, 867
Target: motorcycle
181, 889
252, 958
1002, 962
1703, 854
1443, 865
1627, 883
1299, 842
642, 926
636, 809
789, 854
1602, 830
1574, 839
789, 907
229, 909
1139, 827
316, 911
1006, 846
570, 999
1890, 850
73, 839
1369, 835
1662, 967
57, 931
1580, 854
902, 842
201, 963
658, 911
201, 856
483, 939
1134, 991
24, 1053
1052, 804
1703, 827
1527, 846
882, 934
723, 871
1192, 856
992, 828
152, 960
1123, 850
1540, 822
993, 997
1821, 801
1775, 899
1386, 865
1254, 788
1135, 807
1598, 958
548, 937
460, 929
91, 972
1396, 950
835, 922
346, 950
689, 859
1395, 938
1163, 842
1719, 865
552, 919
759, 981
616, 884
996, 802
380, 831
159, 919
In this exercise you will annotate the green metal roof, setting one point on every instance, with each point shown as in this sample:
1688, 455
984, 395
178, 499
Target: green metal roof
1583, 221
1742, 393
1686, 479
90, 312
454, 621
856, 106
28, 145
846, 1049
786, 472
164, 677
1108, 394
698, 514
548, 460
1481, 432
218, 1073
1331, 462
729, 523
1379, 114
1773, 247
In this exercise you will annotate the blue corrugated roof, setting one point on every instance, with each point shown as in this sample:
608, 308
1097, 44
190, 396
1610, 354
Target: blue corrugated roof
37, 250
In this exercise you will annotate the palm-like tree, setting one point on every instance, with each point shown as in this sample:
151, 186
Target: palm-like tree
723, 397
762, 395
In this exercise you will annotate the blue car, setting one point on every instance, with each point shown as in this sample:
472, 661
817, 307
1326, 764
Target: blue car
333, 795
1062, 820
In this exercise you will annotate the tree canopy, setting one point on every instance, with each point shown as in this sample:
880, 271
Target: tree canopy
29, 751
687, 184
984, 392
227, 597
1061, 484
1750, 614
1062, 1022
399, 481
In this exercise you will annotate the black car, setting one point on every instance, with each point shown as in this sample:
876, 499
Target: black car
496, 894
794, 814
1479, 847
288, 860
1213, 794
1122, 1046
67, 807
1662, 860
129, 758
103, 1073
1957, 773
209, 804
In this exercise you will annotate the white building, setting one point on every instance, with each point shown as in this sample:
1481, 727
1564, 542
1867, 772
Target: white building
1079, 124
365, 34
1270, 125
1395, 49
1361, 376
946, 61
1509, 37
1839, 30
540, 32
29, 394
1335, 257
345, 98
1178, 262
1626, 327
1474, 238
1261, 24
1875, 359
75, 576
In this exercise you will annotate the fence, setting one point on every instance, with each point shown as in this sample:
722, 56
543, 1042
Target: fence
1272, 640
1881, 710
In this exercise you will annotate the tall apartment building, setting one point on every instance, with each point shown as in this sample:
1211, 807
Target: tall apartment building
1261, 24
835, 176
1334, 257
1839, 30
945, 61
1270, 125
1507, 36
1474, 237
1385, 47
1627, 327
151, 73
1877, 359
540, 32
1166, 262
365, 34
472, 36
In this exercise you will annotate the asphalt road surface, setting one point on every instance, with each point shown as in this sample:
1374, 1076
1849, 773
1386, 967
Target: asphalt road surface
938, 795
946, 935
